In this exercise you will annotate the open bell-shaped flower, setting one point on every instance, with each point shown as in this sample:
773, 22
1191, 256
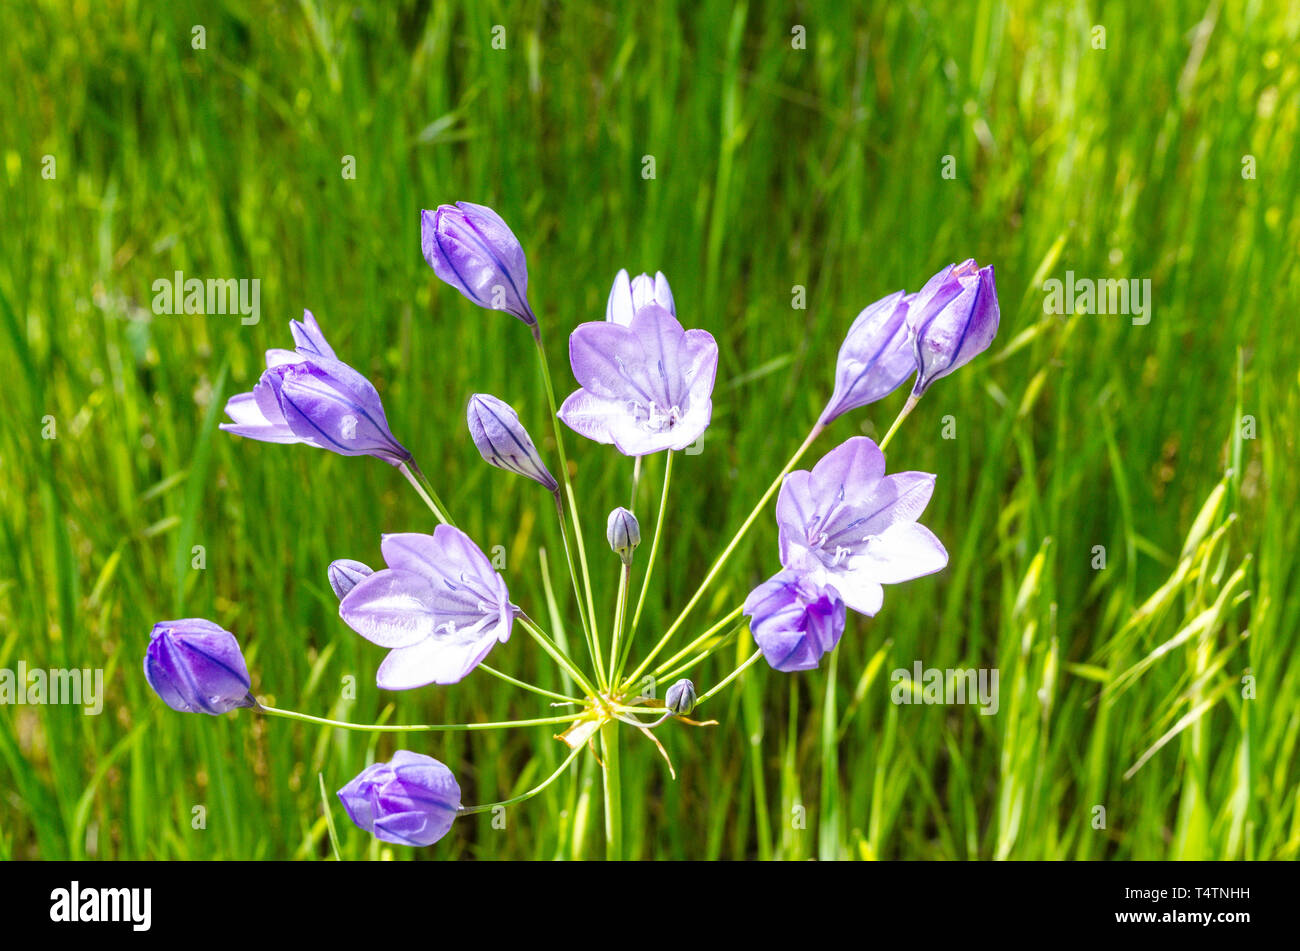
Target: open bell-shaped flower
646, 387
848, 525
472, 249
439, 607
502, 440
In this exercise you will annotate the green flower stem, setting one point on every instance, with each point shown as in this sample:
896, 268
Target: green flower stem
424, 487
540, 691
568, 486
556, 654
695, 644
902, 415
415, 728
488, 807
729, 678
620, 616
665, 674
650, 563
613, 792
729, 550
636, 481
577, 591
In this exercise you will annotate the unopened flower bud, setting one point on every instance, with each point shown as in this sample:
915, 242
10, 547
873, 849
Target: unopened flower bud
502, 440
345, 574
623, 533
681, 698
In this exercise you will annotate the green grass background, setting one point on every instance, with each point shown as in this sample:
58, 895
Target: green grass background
775, 167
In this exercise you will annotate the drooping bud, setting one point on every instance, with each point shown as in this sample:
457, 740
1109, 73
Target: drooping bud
952, 320
345, 574
502, 440
196, 667
472, 249
623, 533
680, 699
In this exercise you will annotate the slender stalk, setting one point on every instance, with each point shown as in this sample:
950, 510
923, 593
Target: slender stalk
540, 691
729, 550
568, 484
665, 674
902, 415
613, 793
650, 563
415, 728
693, 645
577, 592
424, 487
557, 655
729, 678
620, 616
636, 481
488, 807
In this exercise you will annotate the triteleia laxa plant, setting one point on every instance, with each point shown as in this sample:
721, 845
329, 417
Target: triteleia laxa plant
847, 527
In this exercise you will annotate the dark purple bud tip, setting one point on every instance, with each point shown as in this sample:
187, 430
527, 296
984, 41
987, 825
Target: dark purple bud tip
196, 667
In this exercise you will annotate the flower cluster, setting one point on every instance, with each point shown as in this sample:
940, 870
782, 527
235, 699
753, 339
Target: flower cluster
439, 606
846, 527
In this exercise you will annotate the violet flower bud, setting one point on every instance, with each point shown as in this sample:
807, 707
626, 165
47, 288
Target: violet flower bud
502, 440
680, 699
951, 320
623, 532
472, 249
308, 395
627, 297
795, 620
345, 574
875, 358
196, 667
410, 800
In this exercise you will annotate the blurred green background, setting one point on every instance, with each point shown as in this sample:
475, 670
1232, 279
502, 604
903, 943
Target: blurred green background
1161, 688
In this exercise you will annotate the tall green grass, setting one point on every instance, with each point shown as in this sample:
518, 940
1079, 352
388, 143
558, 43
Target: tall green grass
1121, 688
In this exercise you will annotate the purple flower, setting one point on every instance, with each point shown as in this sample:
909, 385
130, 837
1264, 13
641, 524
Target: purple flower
345, 574
472, 249
794, 620
951, 320
848, 525
627, 297
645, 387
439, 606
308, 395
410, 800
875, 358
196, 667
502, 440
